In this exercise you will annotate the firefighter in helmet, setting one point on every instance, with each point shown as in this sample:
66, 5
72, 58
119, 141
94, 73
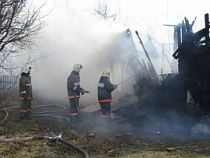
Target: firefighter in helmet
105, 87
25, 93
74, 91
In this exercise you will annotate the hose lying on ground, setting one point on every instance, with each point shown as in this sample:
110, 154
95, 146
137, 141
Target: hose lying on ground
35, 114
62, 108
5, 118
51, 138
53, 116
38, 106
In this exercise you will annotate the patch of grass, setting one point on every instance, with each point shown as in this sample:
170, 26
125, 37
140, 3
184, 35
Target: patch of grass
99, 147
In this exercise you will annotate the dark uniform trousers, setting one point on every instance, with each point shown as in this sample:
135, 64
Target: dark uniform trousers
74, 115
25, 109
105, 109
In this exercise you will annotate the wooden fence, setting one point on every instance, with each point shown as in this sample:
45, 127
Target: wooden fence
8, 83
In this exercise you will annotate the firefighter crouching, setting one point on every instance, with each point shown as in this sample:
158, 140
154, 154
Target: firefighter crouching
74, 91
105, 87
25, 93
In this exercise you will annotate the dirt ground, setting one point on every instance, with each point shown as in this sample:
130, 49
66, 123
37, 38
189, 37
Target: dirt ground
123, 137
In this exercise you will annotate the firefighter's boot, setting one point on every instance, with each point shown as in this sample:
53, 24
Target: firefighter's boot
28, 115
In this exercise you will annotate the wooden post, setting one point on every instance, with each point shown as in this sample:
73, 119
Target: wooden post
153, 71
207, 27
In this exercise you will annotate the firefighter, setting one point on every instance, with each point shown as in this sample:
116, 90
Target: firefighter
74, 91
105, 87
25, 93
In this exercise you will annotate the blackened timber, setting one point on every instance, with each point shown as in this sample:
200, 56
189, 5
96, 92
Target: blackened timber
207, 26
148, 73
193, 54
141, 65
153, 71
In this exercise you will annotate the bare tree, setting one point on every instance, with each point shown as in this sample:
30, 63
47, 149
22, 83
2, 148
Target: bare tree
104, 10
19, 24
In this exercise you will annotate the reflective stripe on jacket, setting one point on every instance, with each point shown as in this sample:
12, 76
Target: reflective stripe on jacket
25, 86
21, 98
105, 87
73, 114
73, 82
105, 100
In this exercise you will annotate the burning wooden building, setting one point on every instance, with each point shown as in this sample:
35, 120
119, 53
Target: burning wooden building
191, 85
193, 55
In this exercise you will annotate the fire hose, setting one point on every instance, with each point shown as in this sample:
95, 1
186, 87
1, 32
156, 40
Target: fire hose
38, 114
127, 79
5, 118
51, 138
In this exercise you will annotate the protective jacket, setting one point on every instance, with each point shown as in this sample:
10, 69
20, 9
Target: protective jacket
105, 87
25, 86
73, 85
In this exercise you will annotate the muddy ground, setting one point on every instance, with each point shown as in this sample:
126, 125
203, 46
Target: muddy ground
145, 133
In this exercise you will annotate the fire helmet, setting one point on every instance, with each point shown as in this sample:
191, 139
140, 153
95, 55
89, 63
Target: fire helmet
106, 73
77, 67
26, 69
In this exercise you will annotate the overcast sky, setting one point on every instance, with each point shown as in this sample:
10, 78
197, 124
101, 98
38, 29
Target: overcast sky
148, 16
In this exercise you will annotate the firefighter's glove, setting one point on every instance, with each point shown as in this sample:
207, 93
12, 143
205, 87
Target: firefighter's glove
82, 91
115, 86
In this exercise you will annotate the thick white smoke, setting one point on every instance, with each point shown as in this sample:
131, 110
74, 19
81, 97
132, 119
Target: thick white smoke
74, 34
69, 40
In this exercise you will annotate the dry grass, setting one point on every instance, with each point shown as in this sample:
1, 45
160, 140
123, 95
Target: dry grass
102, 146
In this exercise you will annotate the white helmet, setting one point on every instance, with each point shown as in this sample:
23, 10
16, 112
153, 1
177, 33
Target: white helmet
106, 73
77, 67
26, 69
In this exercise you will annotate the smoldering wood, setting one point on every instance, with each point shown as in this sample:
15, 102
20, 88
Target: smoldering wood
151, 67
141, 65
193, 57
148, 73
207, 27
